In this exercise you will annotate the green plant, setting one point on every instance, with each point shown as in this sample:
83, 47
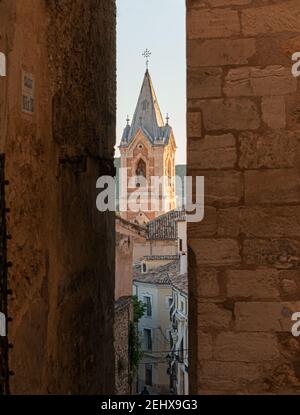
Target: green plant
135, 352
139, 309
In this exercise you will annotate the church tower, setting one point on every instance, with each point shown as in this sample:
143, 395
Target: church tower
148, 149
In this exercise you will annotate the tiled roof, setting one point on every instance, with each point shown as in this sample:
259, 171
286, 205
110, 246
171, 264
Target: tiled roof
135, 227
180, 282
161, 275
122, 302
164, 227
161, 257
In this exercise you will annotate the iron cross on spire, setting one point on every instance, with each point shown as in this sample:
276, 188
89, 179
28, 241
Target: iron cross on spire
147, 55
167, 119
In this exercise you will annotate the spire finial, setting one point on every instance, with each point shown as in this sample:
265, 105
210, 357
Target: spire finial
147, 55
167, 119
127, 119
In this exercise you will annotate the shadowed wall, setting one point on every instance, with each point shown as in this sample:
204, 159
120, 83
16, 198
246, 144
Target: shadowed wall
243, 137
62, 249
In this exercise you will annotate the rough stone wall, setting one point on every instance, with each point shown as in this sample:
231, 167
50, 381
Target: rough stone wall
62, 249
243, 122
127, 235
123, 316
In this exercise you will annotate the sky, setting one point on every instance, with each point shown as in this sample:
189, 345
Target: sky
158, 25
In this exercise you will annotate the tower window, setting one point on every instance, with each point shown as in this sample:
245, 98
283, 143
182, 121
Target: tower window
141, 168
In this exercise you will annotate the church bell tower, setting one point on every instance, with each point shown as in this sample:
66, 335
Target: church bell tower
148, 149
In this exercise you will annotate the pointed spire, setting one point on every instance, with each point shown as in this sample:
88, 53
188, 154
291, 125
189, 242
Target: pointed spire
147, 117
147, 114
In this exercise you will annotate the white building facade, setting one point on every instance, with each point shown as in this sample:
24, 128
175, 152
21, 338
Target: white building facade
154, 332
179, 335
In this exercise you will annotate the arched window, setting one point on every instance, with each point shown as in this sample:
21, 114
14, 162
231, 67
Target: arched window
141, 168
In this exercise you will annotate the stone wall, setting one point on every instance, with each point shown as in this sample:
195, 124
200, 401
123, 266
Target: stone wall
62, 249
127, 235
123, 316
243, 136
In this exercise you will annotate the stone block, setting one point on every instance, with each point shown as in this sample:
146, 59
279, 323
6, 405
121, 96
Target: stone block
220, 3
277, 221
273, 112
194, 124
206, 23
212, 316
273, 18
216, 252
213, 152
228, 222
204, 83
273, 80
292, 105
230, 114
204, 346
207, 282
223, 187
207, 227
229, 376
250, 81
262, 283
265, 316
272, 186
278, 253
245, 347
220, 52
271, 149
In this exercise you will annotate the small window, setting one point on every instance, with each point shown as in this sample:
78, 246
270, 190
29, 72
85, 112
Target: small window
168, 302
148, 339
181, 306
141, 168
148, 374
180, 245
147, 301
144, 267
181, 352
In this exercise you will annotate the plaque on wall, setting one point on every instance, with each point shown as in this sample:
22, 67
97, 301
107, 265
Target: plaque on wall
2, 64
27, 92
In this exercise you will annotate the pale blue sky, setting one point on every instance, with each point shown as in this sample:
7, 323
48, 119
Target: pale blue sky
158, 25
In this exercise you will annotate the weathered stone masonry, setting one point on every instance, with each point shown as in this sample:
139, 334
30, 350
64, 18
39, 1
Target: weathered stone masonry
243, 136
62, 249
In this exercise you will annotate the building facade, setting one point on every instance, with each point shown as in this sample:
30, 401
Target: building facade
154, 290
179, 335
